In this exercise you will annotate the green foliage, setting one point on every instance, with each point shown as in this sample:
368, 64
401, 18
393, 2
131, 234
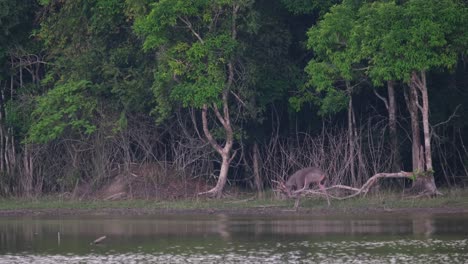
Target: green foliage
390, 40
18, 117
95, 57
200, 69
270, 69
453, 198
136, 8
418, 35
16, 23
68, 105
107, 14
309, 6
11, 13
16, 18
418, 174
166, 14
97, 76
195, 44
334, 61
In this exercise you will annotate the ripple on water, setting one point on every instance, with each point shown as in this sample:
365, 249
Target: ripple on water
234, 258
397, 251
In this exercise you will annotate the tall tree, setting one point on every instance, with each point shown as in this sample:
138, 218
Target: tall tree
333, 75
378, 69
197, 44
405, 42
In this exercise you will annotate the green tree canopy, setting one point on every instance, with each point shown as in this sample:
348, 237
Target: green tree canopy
195, 43
92, 46
333, 67
417, 35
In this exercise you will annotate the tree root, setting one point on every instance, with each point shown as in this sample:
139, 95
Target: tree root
214, 192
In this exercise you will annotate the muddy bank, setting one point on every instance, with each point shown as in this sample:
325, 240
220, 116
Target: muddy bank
128, 212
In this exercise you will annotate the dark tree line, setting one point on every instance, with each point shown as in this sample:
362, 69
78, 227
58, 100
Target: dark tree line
231, 92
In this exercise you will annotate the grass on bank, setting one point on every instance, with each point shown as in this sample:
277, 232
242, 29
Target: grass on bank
452, 198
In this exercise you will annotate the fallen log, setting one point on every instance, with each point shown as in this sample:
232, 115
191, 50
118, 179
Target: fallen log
365, 187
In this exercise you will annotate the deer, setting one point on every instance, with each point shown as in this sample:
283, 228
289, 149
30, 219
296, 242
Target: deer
301, 179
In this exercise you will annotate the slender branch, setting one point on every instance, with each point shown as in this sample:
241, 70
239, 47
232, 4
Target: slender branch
189, 25
233, 156
234, 18
419, 106
381, 98
454, 114
226, 109
207, 132
214, 21
194, 122
218, 115
238, 98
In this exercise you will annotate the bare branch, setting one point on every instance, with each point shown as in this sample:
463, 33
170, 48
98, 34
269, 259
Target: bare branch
381, 98
189, 26
214, 21
454, 114
234, 18
238, 98
233, 156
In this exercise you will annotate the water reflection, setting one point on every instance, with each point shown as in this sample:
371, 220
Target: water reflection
423, 225
225, 225
226, 238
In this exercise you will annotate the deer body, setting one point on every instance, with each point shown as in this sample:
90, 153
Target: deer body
301, 180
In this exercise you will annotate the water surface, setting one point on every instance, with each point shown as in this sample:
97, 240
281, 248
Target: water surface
222, 238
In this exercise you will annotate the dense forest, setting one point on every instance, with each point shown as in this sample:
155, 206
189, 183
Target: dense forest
171, 98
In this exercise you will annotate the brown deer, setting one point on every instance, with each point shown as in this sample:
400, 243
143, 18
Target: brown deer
301, 180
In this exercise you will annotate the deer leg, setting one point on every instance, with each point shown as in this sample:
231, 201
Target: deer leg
296, 203
306, 185
322, 188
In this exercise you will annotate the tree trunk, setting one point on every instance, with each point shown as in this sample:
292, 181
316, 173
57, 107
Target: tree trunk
2, 132
7, 140
222, 179
420, 83
416, 141
225, 152
256, 170
426, 181
224, 119
351, 135
27, 175
393, 127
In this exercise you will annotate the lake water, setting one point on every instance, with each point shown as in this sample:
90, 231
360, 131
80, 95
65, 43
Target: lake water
221, 238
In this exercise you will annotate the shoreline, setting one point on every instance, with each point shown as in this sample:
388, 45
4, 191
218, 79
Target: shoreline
266, 211
384, 203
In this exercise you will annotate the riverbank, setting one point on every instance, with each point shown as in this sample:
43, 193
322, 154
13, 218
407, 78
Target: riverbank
453, 201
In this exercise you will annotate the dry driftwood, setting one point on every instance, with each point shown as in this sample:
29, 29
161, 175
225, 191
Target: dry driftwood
371, 181
357, 191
